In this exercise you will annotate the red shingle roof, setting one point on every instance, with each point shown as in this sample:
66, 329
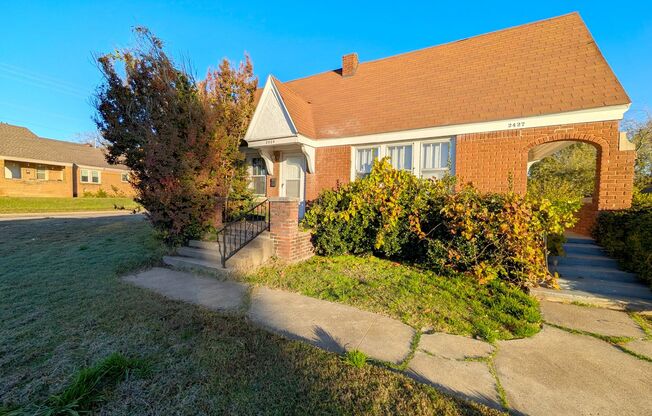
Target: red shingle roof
545, 67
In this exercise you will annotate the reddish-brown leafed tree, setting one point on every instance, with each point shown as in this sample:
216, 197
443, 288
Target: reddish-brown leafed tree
177, 136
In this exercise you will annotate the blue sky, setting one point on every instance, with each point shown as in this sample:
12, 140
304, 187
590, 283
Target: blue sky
47, 71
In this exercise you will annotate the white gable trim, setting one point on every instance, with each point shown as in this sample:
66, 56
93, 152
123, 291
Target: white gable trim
271, 118
615, 112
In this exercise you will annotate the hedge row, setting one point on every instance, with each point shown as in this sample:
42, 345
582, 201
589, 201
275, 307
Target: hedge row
627, 236
394, 214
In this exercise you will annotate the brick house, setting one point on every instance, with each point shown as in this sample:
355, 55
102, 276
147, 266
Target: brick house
483, 108
36, 167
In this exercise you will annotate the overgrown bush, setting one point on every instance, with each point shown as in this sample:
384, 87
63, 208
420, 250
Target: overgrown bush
627, 235
395, 214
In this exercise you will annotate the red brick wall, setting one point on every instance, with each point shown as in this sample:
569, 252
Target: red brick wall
489, 160
290, 243
333, 165
586, 217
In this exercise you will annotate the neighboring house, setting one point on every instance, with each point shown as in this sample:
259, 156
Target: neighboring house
34, 166
483, 108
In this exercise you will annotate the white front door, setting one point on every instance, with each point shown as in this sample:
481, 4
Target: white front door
293, 180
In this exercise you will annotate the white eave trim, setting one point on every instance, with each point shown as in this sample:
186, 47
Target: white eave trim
37, 161
609, 113
117, 170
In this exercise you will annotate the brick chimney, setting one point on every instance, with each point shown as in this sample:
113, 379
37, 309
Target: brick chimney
349, 64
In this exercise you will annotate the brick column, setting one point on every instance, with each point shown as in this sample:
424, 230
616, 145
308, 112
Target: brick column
290, 243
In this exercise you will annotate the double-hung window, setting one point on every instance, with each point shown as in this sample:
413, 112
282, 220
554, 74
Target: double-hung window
258, 176
400, 156
90, 176
434, 159
364, 159
41, 173
124, 177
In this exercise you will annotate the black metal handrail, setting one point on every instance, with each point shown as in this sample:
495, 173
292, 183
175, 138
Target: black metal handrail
236, 233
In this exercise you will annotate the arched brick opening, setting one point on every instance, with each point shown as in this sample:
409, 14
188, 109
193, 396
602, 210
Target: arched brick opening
613, 176
589, 210
497, 161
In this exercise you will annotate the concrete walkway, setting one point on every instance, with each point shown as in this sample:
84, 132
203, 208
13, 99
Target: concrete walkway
588, 275
570, 367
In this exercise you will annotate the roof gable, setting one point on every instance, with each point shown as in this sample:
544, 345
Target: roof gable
271, 118
547, 67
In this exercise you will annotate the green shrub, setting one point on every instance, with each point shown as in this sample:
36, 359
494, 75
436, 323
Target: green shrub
394, 214
101, 193
355, 358
627, 235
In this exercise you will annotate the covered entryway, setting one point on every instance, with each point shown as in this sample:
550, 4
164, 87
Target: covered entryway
293, 179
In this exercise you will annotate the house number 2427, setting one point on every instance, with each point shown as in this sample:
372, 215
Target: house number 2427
516, 124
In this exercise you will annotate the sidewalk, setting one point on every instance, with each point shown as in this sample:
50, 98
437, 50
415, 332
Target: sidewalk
558, 371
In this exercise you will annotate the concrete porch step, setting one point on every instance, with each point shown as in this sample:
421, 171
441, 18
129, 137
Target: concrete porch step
583, 260
577, 272
189, 263
611, 302
208, 256
200, 253
579, 239
607, 288
584, 249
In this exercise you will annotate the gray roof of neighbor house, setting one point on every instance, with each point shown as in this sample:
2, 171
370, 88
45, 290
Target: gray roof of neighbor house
20, 142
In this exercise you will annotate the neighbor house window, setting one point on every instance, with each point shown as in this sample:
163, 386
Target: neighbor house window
12, 170
400, 156
258, 176
41, 173
124, 177
434, 159
90, 176
364, 159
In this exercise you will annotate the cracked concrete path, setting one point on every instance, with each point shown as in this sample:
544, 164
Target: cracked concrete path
559, 373
554, 372
206, 291
332, 326
591, 319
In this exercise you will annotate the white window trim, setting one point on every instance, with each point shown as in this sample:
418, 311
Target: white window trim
354, 157
250, 172
90, 176
416, 153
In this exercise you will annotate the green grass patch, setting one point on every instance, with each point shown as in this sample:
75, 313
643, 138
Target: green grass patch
355, 358
422, 299
12, 205
86, 391
63, 309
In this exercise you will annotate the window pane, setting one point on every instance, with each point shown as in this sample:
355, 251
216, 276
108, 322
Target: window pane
125, 177
365, 159
400, 156
84, 175
95, 175
40, 173
293, 188
435, 155
12, 170
259, 184
258, 166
